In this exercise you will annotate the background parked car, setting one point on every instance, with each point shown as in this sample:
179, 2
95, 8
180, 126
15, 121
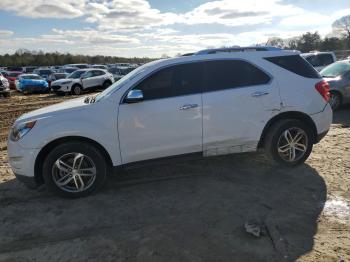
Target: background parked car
4, 86
43, 72
29, 69
319, 60
338, 77
100, 67
31, 83
67, 70
81, 66
56, 76
4, 73
82, 80
12, 77
14, 68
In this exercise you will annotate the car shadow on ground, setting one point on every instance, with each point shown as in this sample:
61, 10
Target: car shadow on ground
342, 116
190, 211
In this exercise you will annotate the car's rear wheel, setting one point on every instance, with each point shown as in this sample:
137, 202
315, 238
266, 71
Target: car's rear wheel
76, 90
289, 142
74, 169
335, 100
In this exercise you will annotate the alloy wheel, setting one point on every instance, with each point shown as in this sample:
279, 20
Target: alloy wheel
292, 144
74, 172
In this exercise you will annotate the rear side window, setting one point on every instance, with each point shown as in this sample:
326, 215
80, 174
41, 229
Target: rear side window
295, 64
173, 81
227, 74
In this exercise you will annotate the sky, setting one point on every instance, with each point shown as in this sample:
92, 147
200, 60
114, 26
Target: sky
141, 28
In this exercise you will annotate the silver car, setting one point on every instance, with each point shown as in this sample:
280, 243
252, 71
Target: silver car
338, 77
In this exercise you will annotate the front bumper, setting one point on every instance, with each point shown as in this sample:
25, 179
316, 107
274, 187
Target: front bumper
22, 160
30, 182
33, 89
61, 89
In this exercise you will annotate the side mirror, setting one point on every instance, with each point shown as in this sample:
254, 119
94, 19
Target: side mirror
134, 96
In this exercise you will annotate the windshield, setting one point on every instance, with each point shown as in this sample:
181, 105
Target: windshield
76, 74
110, 90
336, 69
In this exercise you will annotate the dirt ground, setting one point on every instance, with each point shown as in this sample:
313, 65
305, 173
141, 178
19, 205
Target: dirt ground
188, 211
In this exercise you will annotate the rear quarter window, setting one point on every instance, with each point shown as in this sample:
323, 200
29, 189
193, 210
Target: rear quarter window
295, 64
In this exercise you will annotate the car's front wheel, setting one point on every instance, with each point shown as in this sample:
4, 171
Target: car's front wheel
289, 142
74, 169
77, 90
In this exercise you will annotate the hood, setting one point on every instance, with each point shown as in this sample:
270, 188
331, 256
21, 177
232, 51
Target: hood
59, 81
49, 111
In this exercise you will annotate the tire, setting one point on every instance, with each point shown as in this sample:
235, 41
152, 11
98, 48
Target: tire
76, 90
106, 84
335, 100
276, 145
7, 94
65, 180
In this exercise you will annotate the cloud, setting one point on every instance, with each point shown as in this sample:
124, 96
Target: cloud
5, 33
45, 9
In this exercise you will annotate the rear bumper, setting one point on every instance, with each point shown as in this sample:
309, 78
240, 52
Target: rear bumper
323, 121
321, 136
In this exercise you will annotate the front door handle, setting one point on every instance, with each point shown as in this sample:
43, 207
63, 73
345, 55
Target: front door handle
188, 106
260, 93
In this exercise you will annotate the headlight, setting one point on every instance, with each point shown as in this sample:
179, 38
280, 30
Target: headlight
20, 130
66, 82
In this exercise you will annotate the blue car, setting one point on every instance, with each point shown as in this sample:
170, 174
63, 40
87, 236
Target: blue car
31, 83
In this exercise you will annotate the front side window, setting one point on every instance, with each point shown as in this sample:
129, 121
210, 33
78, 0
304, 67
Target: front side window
173, 81
227, 74
76, 74
98, 73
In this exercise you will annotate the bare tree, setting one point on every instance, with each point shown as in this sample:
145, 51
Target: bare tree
342, 27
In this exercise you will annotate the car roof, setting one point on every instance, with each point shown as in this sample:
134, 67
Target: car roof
317, 53
251, 55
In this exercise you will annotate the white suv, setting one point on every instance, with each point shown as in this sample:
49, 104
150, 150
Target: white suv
82, 80
214, 102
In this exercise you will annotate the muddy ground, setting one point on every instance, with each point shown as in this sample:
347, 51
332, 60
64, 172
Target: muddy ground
188, 211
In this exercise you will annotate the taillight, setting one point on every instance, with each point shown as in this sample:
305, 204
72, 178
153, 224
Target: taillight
323, 88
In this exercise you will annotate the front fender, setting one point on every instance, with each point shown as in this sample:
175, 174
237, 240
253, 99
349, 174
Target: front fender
101, 128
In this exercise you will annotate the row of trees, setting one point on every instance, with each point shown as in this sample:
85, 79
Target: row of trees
23, 57
339, 39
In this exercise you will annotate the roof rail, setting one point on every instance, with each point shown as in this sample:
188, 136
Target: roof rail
237, 49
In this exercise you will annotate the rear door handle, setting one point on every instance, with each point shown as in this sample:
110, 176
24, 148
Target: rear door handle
260, 93
188, 106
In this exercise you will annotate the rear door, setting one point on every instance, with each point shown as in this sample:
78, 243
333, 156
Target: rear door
238, 100
168, 121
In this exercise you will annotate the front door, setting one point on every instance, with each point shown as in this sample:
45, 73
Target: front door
168, 121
